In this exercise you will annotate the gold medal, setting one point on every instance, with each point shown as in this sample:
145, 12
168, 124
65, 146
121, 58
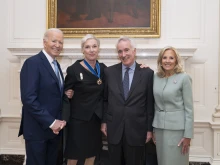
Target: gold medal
99, 81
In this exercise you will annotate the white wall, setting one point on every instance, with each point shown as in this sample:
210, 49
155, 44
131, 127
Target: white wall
190, 25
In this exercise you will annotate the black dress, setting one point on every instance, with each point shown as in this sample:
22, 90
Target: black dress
84, 139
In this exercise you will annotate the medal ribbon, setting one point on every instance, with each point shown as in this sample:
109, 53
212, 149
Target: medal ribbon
92, 70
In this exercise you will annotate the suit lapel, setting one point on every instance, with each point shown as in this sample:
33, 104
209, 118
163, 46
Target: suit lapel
118, 76
136, 79
49, 68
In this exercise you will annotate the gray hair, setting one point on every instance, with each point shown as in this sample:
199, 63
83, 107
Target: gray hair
51, 30
125, 38
87, 37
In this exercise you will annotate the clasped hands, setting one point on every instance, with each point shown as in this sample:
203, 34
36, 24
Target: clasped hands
58, 125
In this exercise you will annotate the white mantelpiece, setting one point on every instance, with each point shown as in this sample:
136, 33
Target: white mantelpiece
105, 53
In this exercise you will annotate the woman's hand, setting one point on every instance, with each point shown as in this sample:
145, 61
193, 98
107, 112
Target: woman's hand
69, 93
148, 136
185, 142
104, 128
154, 138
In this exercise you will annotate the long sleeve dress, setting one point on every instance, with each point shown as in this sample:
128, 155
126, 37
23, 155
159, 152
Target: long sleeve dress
173, 117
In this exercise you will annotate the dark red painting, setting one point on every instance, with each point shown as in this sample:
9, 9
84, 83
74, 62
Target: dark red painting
105, 18
103, 13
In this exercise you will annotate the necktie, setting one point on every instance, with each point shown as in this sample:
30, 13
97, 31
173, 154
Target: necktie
57, 73
126, 83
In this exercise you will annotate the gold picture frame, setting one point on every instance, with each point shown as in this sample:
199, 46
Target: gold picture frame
56, 13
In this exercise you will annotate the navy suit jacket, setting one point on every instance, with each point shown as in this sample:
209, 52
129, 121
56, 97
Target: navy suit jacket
41, 98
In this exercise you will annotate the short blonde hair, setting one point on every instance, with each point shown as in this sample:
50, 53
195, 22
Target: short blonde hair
177, 69
87, 37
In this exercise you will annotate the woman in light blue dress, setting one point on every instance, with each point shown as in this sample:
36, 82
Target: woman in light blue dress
173, 120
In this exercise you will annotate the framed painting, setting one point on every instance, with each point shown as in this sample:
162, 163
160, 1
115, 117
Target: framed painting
105, 18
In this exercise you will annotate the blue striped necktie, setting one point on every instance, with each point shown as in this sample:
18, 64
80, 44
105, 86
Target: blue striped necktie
57, 73
126, 83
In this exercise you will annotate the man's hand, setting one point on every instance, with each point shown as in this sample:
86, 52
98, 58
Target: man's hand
185, 142
149, 136
144, 66
104, 128
69, 93
58, 125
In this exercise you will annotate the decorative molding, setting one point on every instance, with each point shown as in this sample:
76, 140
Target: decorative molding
216, 114
105, 53
215, 125
10, 118
12, 151
202, 124
0, 115
196, 31
197, 123
199, 158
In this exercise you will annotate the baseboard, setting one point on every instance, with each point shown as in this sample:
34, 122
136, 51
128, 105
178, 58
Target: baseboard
200, 158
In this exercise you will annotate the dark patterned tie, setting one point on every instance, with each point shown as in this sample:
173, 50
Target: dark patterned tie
126, 83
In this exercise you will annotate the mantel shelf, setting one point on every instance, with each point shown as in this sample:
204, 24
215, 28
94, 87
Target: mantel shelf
105, 53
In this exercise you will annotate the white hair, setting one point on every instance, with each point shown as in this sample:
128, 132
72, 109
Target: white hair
125, 38
50, 30
87, 37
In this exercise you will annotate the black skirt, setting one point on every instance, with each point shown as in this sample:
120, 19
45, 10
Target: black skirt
84, 138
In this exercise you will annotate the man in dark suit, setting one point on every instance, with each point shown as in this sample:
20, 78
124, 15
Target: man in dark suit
41, 85
129, 107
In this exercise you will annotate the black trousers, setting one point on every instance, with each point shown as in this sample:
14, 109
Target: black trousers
123, 153
150, 153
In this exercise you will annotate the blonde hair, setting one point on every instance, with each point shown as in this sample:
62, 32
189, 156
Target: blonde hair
178, 67
87, 37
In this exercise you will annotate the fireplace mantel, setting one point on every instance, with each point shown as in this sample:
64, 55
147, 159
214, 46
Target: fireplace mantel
105, 53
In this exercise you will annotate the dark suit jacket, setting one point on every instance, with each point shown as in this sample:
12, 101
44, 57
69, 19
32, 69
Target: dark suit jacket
88, 96
41, 98
133, 116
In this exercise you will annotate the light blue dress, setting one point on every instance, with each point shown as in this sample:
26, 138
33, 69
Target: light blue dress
173, 118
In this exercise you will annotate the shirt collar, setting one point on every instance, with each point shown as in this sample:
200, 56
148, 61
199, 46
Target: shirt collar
49, 58
132, 67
